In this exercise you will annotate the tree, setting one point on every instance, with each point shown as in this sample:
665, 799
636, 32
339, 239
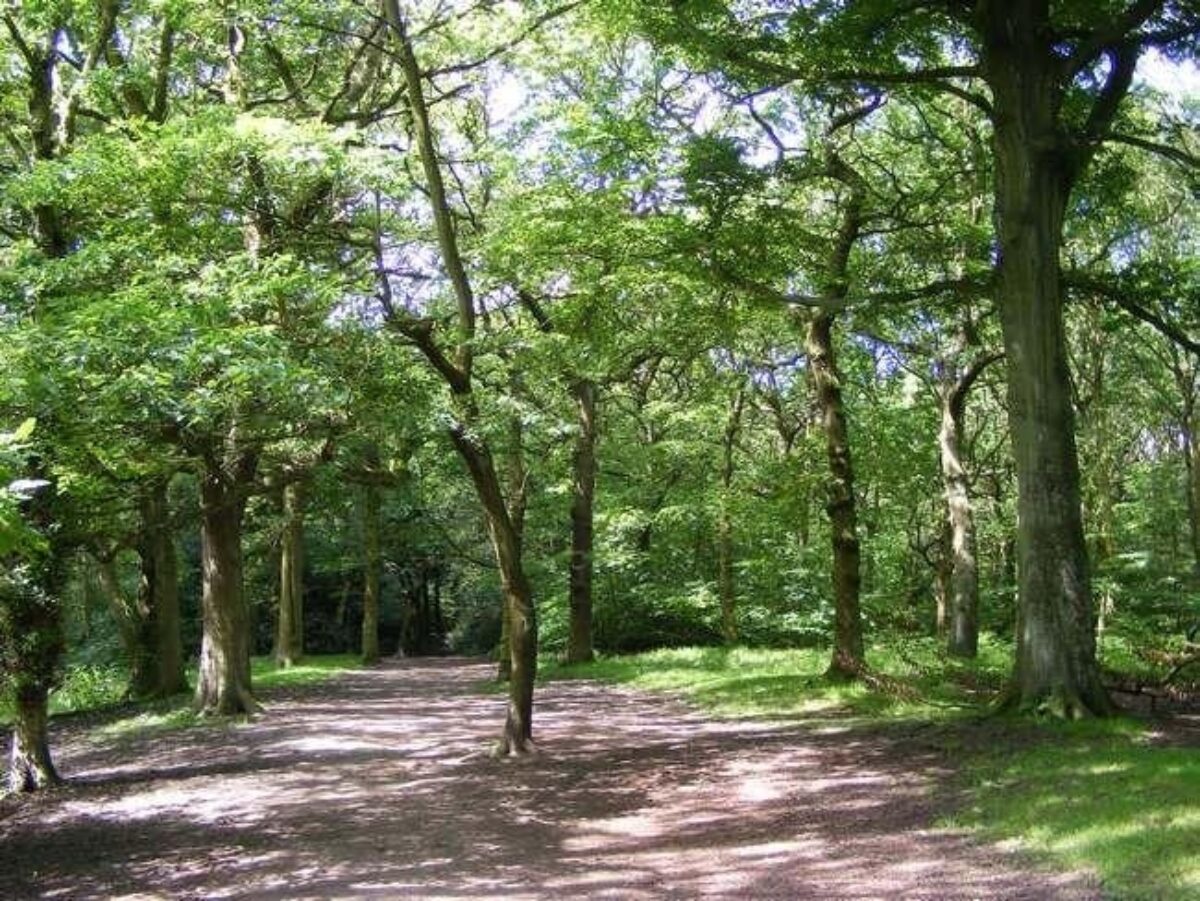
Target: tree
1056, 80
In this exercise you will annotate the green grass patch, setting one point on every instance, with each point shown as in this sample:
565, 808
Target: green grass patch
99, 688
919, 680
1099, 796
265, 674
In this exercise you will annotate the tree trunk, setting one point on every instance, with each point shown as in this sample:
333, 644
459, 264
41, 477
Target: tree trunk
579, 640
963, 631
517, 736
134, 626
374, 568
289, 636
726, 587
224, 684
159, 592
843, 516
1056, 668
30, 766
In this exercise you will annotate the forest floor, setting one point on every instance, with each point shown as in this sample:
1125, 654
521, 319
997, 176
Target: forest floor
379, 783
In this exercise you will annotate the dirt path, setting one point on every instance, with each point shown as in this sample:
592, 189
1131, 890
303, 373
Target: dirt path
379, 785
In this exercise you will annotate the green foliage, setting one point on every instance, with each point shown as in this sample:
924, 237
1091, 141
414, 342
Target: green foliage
31, 640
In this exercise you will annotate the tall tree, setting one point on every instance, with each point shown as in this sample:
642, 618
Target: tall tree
1057, 73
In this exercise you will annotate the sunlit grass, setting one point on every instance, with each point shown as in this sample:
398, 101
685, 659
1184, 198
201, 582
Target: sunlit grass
95, 689
917, 679
1098, 796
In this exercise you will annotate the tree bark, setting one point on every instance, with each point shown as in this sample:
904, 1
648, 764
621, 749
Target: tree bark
224, 683
517, 736
726, 585
289, 636
1056, 668
159, 592
374, 568
30, 766
963, 597
843, 515
579, 639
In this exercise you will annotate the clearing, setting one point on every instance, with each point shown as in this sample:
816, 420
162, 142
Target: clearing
379, 784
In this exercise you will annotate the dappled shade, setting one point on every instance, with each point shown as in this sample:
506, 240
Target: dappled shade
381, 784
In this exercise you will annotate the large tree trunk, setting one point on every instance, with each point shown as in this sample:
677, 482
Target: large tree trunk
579, 639
30, 766
374, 567
843, 516
289, 635
224, 684
726, 584
159, 593
1056, 667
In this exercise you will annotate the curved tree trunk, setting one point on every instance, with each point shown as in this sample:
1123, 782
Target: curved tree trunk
1056, 667
579, 639
224, 683
289, 635
517, 736
373, 566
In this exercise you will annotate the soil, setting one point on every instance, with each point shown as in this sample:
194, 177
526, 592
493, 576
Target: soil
380, 784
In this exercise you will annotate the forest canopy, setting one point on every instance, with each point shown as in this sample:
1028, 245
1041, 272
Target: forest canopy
563, 327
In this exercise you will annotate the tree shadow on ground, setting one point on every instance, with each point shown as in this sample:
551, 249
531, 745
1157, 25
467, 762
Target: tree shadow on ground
380, 784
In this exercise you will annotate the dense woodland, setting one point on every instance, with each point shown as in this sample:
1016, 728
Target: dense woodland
560, 328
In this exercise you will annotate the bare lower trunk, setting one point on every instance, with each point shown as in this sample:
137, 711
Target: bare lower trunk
159, 592
843, 517
289, 636
1056, 668
1193, 471
517, 736
224, 683
963, 631
943, 569
373, 566
726, 587
30, 766
1191, 462
579, 639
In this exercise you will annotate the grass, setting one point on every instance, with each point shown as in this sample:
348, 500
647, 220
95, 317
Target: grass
1092, 795
917, 680
98, 689
1099, 796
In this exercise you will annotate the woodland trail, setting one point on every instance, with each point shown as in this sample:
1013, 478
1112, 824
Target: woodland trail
378, 784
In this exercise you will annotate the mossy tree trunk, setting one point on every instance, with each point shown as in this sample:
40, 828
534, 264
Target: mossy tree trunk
1036, 165
224, 685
